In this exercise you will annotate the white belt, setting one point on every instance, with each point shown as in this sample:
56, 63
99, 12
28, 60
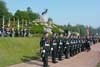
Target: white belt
54, 43
60, 43
46, 44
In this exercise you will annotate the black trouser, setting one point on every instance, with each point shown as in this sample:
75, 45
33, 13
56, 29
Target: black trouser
45, 61
54, 55
87, 46
60, 52
71, 50
66, 52
83, 47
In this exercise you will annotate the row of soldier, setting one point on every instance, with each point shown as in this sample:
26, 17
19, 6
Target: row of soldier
61, 45
14, 33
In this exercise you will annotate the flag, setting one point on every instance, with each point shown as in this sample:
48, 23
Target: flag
18, 24
26, 23
3, 22
8, 26
88, 30
44, 12
9, 23
13, 24
22, 23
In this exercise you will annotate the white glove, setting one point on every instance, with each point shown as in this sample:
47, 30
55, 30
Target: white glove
43, 51
51, 48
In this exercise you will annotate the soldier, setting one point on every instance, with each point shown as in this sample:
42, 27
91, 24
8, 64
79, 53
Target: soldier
74, 45
44, 47
66, 47
60, 47
71, 46
83, 44
99, 38
93, 40
53, 45
87, 43
78, 45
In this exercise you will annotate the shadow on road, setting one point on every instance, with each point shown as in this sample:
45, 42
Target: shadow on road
35, 60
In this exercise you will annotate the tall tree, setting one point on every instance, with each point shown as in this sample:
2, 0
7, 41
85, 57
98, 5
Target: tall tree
4, 12
32, 15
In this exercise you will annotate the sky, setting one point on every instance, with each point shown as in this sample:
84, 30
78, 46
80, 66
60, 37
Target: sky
86, 12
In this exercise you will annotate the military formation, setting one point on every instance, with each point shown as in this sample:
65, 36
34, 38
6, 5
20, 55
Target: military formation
59, 46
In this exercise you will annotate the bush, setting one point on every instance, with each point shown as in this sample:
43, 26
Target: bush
37, 29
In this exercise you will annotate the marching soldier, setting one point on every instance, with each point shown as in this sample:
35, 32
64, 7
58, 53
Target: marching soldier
53, 45
60, 47
78, 46
87, 44
66, 47
45, 48
83, 41
71, 46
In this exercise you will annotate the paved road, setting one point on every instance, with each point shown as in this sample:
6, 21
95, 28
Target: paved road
84, 59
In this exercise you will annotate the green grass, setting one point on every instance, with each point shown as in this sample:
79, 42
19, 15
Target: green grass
98, 65
14, 50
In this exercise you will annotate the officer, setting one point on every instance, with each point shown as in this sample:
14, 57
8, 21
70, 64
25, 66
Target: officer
44, 47
60, 47
53, 45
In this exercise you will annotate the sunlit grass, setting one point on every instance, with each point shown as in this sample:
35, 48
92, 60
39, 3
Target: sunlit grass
12, 50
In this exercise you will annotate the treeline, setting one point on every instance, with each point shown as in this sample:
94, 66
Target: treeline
27, 15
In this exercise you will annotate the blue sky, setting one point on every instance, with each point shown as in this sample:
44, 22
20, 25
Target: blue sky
85, 12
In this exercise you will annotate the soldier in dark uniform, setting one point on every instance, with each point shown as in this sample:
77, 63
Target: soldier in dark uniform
99, 38
66, 47
87, 43
93, 39
53, 45
78, 45
71, 46
45, 48
60, 47
83, 41
74, 45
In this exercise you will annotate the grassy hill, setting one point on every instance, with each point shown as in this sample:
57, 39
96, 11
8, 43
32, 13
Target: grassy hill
16, 50
38, 27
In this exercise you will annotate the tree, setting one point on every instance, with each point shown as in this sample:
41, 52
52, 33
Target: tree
32, 15
4, 12
3, 8
26, 15
29, 9
82, 29
21, 15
